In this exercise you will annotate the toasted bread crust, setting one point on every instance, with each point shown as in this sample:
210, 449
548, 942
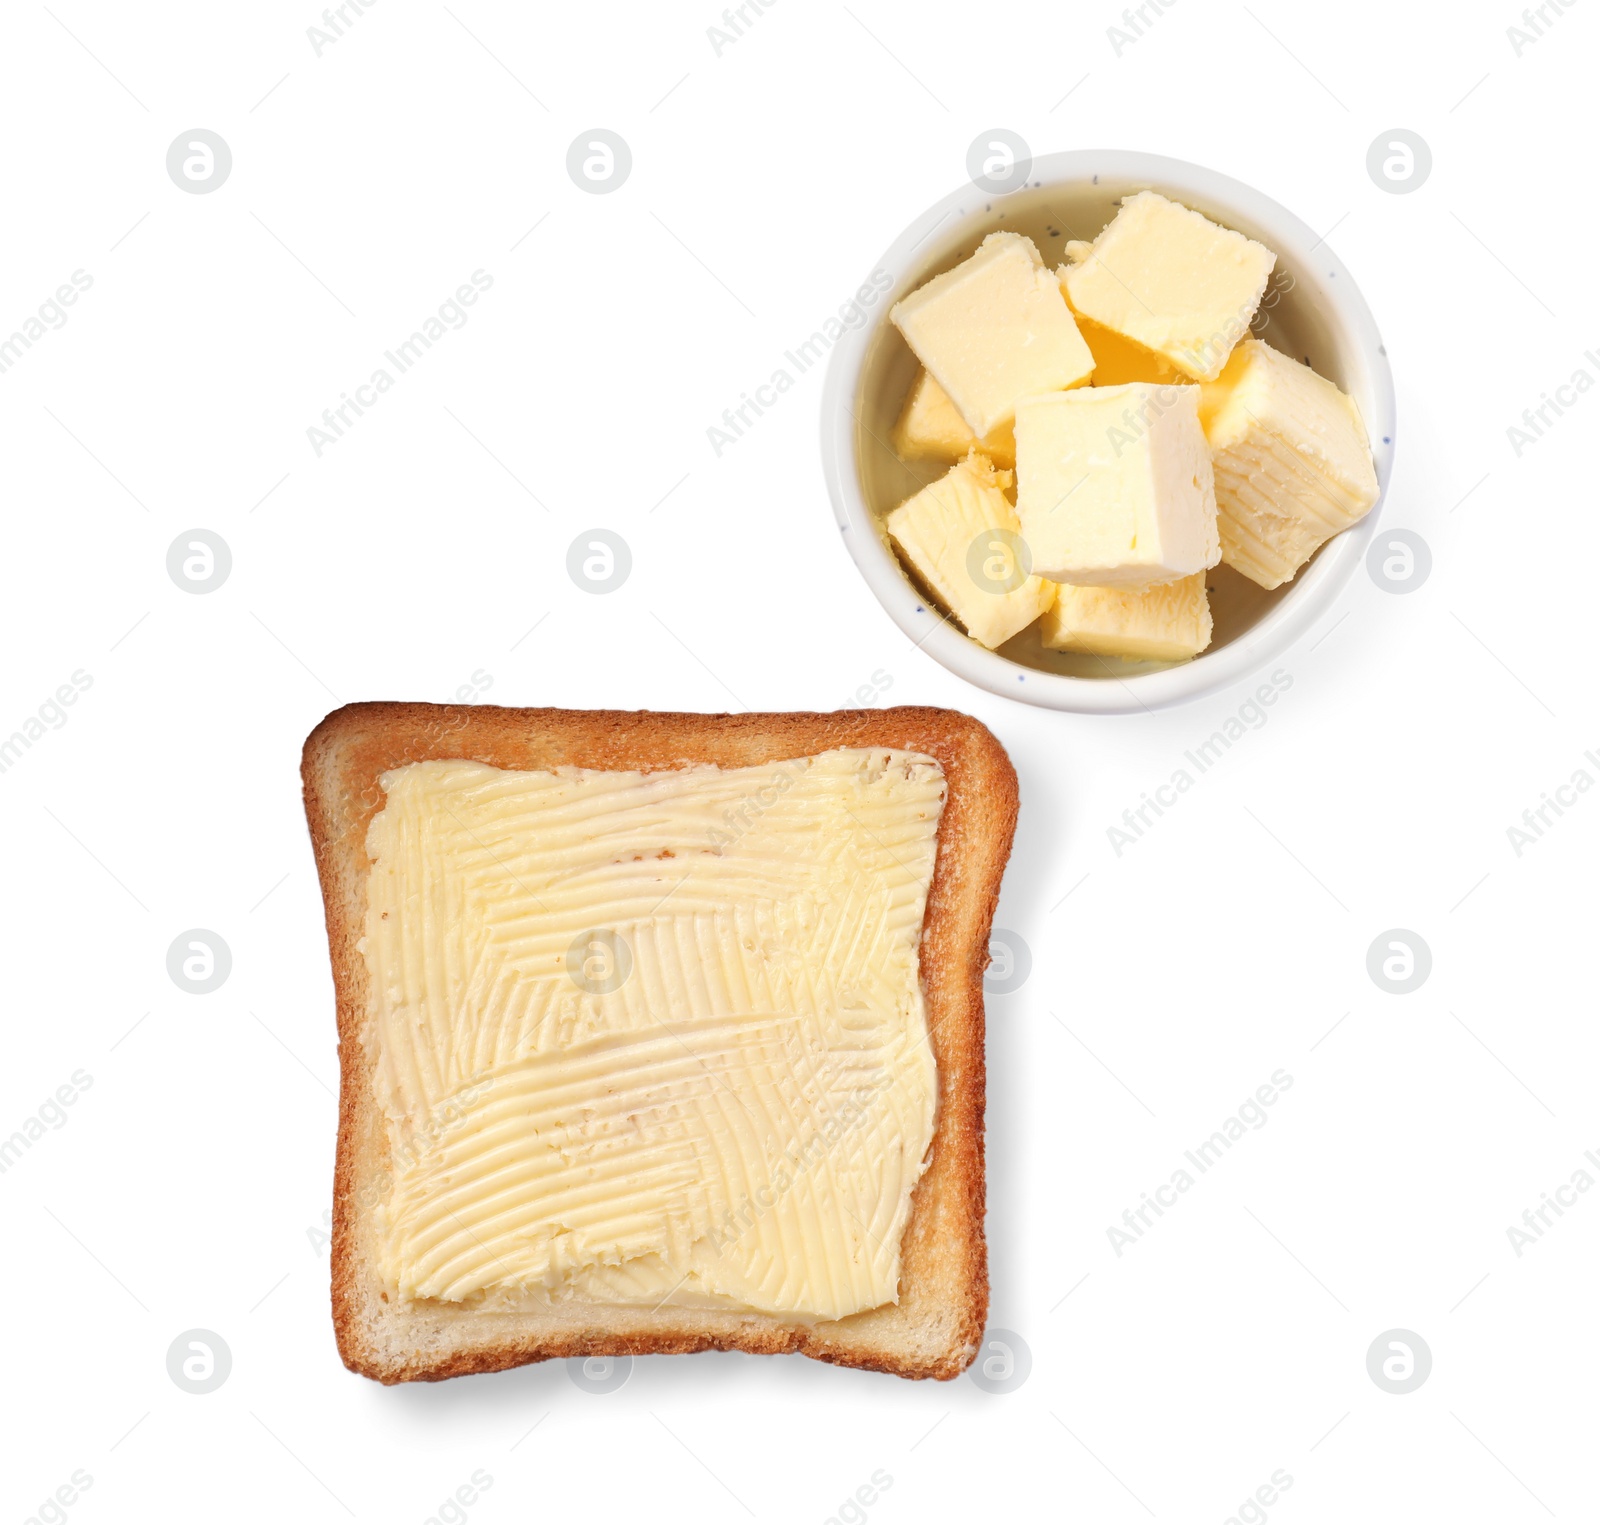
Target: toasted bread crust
937, 1326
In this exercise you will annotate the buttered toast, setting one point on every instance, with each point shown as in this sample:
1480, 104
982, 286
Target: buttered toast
658, 1032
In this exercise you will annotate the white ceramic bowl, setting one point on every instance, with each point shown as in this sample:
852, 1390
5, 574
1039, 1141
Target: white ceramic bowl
1319, 316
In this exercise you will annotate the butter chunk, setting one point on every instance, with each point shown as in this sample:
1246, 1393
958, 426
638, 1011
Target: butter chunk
1167, 623
1292, 461
1114, 485
1173, 281
961, 535
994, 329
930, 428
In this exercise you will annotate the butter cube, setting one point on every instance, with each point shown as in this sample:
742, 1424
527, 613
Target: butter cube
1292, 461
930, 428
1114, 485
1167, 623
1173, 281
960, 534
994, 329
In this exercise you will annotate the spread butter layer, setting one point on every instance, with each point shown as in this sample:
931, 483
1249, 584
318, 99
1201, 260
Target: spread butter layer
653, 1038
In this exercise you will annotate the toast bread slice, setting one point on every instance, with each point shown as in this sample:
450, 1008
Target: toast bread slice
936, 1327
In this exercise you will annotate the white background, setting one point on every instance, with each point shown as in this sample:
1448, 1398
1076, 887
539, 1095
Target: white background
1167, 983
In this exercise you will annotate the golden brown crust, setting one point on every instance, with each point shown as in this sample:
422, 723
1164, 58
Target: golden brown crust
936, 1328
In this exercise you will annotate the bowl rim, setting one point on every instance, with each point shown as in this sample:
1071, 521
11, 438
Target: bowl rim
1312, 593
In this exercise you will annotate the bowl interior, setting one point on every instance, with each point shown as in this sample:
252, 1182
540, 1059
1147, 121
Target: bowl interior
1297, 316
